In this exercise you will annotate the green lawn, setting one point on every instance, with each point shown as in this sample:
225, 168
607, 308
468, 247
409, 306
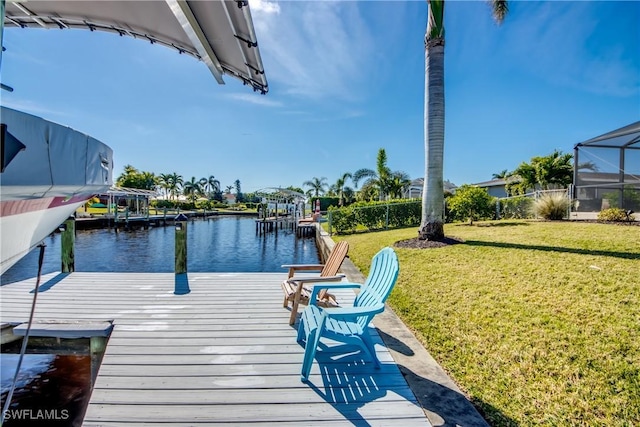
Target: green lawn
538, 322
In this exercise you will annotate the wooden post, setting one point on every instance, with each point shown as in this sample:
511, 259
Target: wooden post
181, 244
67, 241
97, 345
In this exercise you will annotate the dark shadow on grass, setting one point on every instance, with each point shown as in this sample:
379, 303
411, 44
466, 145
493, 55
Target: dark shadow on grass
624, 255
181, 284
448, 407
500, 224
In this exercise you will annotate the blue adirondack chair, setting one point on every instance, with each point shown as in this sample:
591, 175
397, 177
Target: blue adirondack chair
349, 325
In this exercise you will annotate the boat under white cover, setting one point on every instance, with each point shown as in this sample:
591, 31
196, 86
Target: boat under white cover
55, 173
61, 168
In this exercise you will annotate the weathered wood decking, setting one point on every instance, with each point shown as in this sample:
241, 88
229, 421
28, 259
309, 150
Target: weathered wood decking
213, 348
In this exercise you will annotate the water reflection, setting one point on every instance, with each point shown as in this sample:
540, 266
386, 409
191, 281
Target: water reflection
218, 244
52, 390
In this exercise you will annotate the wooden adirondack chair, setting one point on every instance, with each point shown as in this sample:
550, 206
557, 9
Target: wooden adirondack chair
349, 325
294, 289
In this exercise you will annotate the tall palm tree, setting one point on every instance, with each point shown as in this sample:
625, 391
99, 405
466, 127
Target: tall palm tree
213, 185
340, 187
204, 182
380, 178
432, 224
318, 185
175, 184
164, 182
192, 189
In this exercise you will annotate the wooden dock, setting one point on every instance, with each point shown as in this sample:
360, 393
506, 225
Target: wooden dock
212, 348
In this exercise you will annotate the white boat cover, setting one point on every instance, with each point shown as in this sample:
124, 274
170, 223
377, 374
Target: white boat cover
218, 32
49, 170
57, 161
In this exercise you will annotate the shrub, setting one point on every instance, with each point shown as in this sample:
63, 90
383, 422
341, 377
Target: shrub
375, 215
519, 207
343, 220
472, 203
325, 202
551, 206
615, 215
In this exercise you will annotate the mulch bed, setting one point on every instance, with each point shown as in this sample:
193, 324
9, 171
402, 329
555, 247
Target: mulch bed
416, 243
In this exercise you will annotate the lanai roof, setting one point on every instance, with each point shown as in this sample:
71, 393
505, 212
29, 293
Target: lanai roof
625, 137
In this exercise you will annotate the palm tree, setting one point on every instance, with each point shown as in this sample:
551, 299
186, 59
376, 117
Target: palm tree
545, 172
398, 184
164, 182
148, 181
204, 182
504, 174
192, 189
318, 185
175, 184
213, 185
432, 224
380, 178
340, 187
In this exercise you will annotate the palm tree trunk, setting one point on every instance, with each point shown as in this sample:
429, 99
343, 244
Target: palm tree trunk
432, 224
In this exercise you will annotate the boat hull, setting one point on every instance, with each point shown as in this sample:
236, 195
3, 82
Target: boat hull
55, 173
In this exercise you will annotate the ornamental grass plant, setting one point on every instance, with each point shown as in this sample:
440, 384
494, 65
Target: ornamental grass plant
551, 206
538, 322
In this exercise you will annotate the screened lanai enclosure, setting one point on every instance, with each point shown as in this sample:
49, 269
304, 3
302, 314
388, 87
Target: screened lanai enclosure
607, 171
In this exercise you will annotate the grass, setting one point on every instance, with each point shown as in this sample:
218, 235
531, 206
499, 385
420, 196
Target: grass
538, 322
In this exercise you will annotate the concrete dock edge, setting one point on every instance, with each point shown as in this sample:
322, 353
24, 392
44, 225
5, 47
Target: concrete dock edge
441, 399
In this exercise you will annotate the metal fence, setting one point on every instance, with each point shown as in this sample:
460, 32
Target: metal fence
522, 206
375, 217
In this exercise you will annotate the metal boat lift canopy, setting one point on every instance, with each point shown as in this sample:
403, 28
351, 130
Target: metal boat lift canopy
218, 32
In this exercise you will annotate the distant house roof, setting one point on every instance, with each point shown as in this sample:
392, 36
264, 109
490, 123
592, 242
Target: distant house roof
491, 183
448, 185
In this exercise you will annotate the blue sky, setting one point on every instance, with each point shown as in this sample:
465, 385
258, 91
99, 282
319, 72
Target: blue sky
345, 78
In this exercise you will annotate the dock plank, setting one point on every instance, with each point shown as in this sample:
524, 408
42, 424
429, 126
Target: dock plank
221, 354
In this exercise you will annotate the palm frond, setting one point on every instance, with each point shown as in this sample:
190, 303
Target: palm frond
435, 25
500, 8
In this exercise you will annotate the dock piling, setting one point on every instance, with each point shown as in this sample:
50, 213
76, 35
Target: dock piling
181, 244
67, 242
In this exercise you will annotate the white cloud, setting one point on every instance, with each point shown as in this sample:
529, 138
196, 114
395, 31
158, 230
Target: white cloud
264, 6
317, 50
254, 99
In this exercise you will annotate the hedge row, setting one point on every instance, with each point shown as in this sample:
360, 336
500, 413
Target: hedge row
374, 216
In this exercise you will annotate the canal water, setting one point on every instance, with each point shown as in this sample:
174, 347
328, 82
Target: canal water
217, 244
53, 390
